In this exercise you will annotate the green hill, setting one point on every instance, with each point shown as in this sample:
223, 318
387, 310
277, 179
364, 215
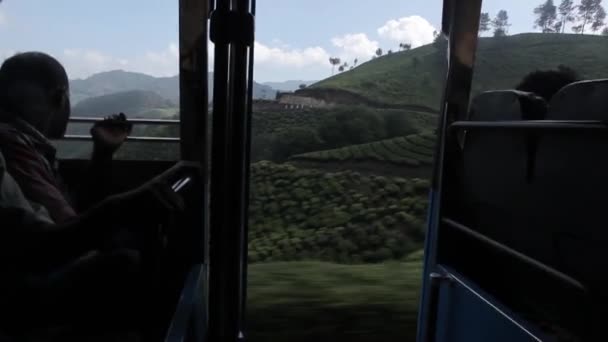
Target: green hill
415, 77
116, 81
134, 103
413, 151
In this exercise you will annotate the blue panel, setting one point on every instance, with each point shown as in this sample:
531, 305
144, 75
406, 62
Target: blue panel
464, 315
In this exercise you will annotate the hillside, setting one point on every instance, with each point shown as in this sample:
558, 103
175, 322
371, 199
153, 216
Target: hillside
134, 103
415, 77
412, 154
120, 81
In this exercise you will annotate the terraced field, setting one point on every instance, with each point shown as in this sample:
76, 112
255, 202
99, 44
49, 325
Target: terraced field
345, 217
413, 150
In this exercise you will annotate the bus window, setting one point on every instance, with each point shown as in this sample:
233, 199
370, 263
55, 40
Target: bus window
345, 108
111, 69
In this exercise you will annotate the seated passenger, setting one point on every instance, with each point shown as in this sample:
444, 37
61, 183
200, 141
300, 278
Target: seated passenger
61, 266
548, 82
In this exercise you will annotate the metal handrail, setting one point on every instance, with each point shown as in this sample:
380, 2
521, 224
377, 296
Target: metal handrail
80, 119
532, 125
517, 255
83, 137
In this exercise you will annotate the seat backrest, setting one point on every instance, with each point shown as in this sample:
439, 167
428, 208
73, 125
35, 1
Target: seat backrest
494, 175
573, 181
584, 100
506, 105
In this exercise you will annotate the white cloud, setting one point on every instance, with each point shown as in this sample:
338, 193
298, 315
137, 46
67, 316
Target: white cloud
80, 63
413, 30
355, 45
297, 58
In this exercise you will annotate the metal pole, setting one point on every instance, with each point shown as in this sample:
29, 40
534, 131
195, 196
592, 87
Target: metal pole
231, 31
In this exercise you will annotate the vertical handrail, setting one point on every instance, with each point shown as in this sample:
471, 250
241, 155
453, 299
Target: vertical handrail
232, 33
247, 160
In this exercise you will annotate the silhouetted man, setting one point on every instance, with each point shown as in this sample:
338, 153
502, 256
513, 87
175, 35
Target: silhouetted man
62, 266
547, 83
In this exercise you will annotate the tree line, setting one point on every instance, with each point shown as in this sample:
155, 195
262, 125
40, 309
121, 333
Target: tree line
551, 18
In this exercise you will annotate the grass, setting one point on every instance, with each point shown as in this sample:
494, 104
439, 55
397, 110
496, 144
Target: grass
413, 151
416, 77
303, 301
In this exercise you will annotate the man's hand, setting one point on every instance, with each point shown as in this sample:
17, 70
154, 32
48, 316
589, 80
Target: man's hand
109, 134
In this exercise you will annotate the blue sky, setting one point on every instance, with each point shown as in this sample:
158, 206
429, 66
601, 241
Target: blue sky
294, 38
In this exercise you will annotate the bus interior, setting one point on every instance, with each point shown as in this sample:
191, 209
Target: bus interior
512, 248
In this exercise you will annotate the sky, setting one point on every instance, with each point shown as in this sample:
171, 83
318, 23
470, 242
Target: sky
294, 38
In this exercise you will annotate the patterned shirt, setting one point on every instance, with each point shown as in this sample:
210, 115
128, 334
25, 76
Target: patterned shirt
29, 160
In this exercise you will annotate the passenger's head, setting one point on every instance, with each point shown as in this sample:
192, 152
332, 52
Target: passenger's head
548, 82
34, 87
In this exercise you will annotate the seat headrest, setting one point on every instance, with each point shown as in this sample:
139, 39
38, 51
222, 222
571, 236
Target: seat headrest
499, 105
584, 100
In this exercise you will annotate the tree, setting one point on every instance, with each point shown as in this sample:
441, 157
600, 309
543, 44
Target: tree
605, 31
389, 52
566, 14
405, 46
356, 61
598, 19
341, 68
546, 15
379, 52
501, 24
302, 86
587, 11
484, 22
333, 61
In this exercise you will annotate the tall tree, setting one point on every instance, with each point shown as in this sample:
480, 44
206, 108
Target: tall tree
356, 61
484, 22
501, 24
333, 61
546, 15
379, 52
566, 14
587, 11
598, 19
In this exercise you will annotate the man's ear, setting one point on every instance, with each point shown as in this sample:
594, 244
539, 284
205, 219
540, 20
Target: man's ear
58, 121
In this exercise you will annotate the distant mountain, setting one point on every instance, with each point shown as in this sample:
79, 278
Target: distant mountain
120, 81
117, 81
291, 85
135, 103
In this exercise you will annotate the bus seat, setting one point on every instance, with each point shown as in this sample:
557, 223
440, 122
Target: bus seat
570, 195
584, 100
494, 177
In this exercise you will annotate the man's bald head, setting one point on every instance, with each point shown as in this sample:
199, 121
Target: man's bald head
34, 86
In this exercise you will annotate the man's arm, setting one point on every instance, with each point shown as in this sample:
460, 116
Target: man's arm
108, 135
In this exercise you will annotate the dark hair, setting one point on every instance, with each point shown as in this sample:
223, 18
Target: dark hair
548, 82
34, 87
27, 76
33, 67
